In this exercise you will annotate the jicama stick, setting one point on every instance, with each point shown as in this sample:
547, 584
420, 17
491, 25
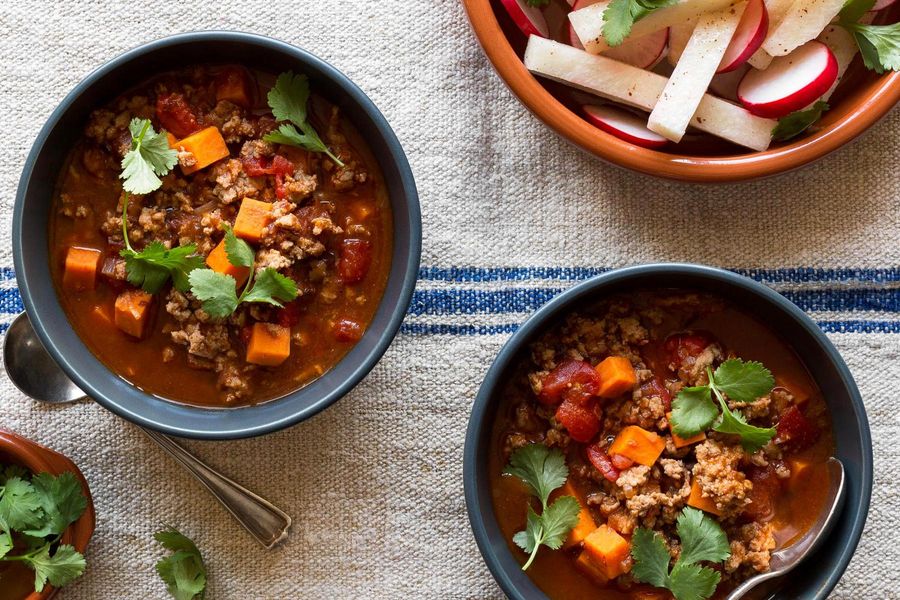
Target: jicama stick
777, 10
690, 80
641, 89
678, 40
803, 22
588, 22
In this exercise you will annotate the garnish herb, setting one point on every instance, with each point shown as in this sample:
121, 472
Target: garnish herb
879, 45
620, 16
37, 509
183, 571
218, 292
543, 470
149, 159
797, 122
288, 100
693, 410
702, 539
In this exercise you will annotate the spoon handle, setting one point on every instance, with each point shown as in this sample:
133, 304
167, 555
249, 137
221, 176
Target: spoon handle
266, 523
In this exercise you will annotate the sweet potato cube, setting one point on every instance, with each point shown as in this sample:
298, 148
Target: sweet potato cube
608, 550
132, 312
252, 219
173, 141
586, 522
270, 344
616, 376
587, 566
207, 146
218, 262
704, 503
234, 85
681, 442
638, 444
80, 273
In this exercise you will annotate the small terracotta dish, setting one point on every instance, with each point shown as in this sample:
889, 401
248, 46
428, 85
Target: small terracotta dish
14, 449
862, 99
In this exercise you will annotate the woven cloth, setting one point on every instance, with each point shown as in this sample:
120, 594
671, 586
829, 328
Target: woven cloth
512, 215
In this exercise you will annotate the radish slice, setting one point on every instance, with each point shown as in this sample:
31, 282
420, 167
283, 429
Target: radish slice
643, 52
527, 18
751, 33
791, 82
726, 85
882, 4
624, 126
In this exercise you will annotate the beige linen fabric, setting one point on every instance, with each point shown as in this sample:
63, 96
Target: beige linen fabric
375, 483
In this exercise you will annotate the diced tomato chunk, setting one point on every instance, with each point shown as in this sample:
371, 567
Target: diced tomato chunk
602, 462
255, 166
234, 84
795, 430
355, 260
621, 462
574, 380
346, 330
656, 387
289, 314
176, 116
684, 346
766, 488
580, 420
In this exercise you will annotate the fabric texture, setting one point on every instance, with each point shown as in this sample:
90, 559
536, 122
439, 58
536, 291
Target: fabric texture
512, 215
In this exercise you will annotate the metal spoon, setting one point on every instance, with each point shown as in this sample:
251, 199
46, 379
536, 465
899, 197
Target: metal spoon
786, 559
31, 368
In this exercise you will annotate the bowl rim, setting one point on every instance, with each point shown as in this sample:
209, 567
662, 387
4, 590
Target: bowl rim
406, 203
478, 501
689, 168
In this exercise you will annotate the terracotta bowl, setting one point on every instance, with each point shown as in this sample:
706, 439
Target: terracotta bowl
862, 99
36, 458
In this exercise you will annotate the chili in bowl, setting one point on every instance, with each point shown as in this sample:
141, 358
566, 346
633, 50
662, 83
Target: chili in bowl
651, 408
236, 231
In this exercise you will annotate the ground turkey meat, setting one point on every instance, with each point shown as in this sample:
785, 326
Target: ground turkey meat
751, 547
717, 474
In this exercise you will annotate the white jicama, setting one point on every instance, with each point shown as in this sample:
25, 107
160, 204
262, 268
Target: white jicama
777, 10
678, 39
844, 48
698, 64
803, 22
588, 22
641, 89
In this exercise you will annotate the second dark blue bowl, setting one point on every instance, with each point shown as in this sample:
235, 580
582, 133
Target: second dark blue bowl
821, 572
32, 211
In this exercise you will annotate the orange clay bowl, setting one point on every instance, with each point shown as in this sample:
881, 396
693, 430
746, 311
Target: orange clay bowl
861, 100
14, 449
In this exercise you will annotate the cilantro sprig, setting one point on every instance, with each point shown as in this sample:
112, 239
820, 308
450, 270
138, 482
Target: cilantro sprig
543, 470
37, 509
702, 539
797, 122
288, 101
693, 410
183, 571
879, 45
621, 15
149, 159
218, 291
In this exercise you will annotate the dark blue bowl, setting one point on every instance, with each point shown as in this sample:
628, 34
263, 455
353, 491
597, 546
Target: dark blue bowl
31, 251
820, 573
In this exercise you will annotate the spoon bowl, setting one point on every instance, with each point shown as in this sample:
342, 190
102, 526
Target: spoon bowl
32, 370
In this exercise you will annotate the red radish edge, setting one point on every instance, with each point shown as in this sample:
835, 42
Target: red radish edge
798, 94
623, 125
750, 34
644, 52
527, 18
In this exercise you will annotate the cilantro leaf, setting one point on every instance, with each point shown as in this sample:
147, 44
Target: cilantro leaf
152, 267
693, 411
149, 158
239, 252
62, 501
854, 10
651, 558
6, 543
879, 45
272, 287
797, 122
558, 519
692, 582
620, 16
744, 381
13, 471
216, 291
543, 470
529, 539
20, 505
701, 536
63, 567
183, 572
288, 101
752, 438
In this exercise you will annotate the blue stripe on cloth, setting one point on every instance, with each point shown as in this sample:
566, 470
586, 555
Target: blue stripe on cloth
788, 275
